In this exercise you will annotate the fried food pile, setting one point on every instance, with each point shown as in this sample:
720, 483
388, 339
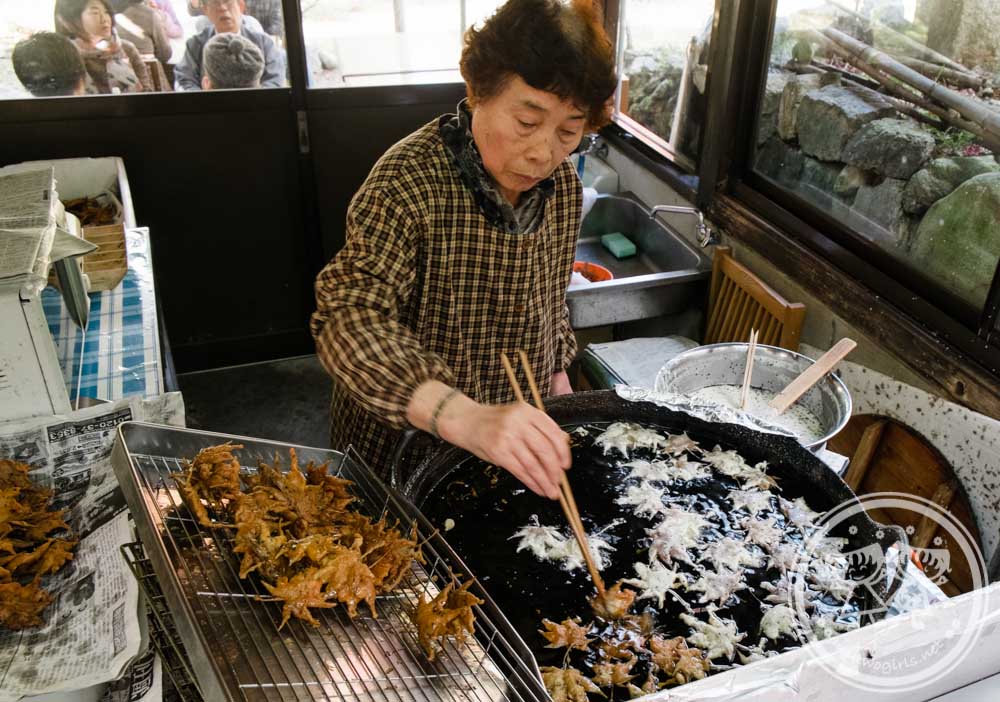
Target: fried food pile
295, 530
622, 651
28, 549
91, 212
448, 614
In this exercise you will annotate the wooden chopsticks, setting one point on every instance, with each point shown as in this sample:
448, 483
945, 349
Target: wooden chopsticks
566, 498
748, 371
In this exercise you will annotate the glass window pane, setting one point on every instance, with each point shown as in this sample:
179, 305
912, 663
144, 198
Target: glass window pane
127, 46
663, 60
892, 144
387, 42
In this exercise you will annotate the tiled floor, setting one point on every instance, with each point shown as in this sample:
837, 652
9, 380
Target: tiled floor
285, 400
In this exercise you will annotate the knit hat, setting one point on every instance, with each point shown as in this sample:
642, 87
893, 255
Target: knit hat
233, 61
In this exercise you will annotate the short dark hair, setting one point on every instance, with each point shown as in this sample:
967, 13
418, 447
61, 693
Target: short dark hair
553, 46
48, 65
69, 12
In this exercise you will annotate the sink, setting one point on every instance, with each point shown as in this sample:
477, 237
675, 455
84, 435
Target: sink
664, 277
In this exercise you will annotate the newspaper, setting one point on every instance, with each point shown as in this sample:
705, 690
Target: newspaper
91, 631
33, 226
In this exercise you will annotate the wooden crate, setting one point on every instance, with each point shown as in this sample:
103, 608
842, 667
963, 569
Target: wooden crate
106, 267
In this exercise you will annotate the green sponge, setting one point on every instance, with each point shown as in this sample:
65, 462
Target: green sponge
618, 244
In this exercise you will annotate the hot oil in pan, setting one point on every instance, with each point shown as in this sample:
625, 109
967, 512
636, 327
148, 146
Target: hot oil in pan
488, 505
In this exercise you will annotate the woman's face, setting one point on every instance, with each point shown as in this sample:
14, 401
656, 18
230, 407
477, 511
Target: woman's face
523, 134
96, 21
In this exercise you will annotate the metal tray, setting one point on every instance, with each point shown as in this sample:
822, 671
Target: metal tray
232, 638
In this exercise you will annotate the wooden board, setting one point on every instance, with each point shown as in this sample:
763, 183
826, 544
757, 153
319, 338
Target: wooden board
900, 460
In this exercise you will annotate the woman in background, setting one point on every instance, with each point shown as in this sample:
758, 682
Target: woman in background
139, 22
114, 64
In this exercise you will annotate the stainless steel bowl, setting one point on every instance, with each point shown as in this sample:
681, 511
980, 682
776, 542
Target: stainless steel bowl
774, 368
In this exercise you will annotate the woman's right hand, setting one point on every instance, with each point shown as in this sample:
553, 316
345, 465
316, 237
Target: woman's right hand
519, 438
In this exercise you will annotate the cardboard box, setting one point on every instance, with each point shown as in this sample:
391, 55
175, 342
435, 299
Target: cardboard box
88, 177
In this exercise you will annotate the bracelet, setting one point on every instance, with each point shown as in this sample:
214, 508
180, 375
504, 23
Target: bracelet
439, 409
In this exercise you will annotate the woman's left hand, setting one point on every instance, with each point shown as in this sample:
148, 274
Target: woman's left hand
560, 384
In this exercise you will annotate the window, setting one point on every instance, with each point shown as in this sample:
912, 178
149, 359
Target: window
130, 46
663, 68
387, 42
878, 114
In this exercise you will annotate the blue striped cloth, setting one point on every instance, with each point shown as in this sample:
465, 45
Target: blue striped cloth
121, 353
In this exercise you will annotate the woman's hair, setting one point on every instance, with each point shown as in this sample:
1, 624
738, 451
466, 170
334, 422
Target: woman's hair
69, 12
554, 46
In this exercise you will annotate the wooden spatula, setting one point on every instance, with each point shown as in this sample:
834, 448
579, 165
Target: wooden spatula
812, 375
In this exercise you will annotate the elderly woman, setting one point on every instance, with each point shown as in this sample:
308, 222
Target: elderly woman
460, 246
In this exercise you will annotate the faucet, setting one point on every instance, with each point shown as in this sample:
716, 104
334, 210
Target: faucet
705, 234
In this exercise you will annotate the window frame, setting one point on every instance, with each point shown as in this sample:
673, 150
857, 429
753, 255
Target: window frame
949, 342
681, 172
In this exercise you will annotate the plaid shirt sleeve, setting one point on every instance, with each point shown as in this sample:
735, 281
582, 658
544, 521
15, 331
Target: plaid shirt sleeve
567, 340
360, 296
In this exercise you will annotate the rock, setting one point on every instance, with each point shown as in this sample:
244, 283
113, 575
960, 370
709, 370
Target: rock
849, 180
818, 177
941, 176
958, 240
828, 117
779, 162
773, 88
882, 206
791, 97
895, 148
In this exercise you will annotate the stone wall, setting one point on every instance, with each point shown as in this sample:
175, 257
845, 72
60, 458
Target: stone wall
846, 149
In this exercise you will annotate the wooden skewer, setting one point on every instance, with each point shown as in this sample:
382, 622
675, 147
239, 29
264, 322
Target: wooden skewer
566, 499
812, 375
748, 371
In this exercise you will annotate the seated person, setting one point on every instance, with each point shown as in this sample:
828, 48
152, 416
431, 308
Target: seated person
141, 23
230, 62
227, 16
114, 64
267, 12
48, 65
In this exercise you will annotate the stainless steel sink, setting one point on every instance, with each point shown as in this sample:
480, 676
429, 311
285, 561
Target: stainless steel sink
664, 277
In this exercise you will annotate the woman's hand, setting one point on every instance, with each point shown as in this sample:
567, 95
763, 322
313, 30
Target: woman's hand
516, 437
519, 438
560, 384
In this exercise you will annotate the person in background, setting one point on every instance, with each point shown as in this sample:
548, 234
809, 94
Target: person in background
49, 65
169, 18
140, 23
231, 62
267, 12
114, 64
227, 16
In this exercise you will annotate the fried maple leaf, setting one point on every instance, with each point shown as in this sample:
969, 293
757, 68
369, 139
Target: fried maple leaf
299, 594
567, 634
449, 613
57, 553
210, 481
349, 580
14, 474
568, 684
649, 686
614, 604
614, 674
677, 661
21, 605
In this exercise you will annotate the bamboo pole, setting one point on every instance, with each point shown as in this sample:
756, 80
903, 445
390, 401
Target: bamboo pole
971, 110
924, 52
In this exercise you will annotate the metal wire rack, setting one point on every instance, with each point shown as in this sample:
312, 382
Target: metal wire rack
236, 649
163, 634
